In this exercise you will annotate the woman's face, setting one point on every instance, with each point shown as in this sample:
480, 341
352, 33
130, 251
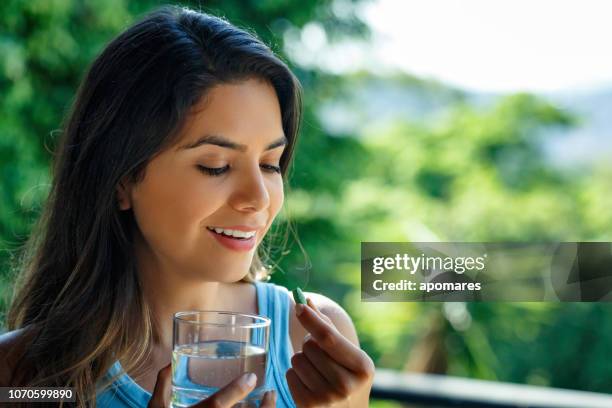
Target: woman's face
236, 130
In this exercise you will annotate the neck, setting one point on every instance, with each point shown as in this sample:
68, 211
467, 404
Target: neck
167, 292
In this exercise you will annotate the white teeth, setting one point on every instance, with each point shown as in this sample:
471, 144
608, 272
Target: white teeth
233, 233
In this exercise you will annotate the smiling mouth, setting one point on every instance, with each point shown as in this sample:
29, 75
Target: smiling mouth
228, 235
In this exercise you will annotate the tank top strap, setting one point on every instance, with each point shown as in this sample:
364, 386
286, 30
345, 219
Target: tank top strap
273, 301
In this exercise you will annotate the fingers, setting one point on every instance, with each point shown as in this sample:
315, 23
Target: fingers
298, 390
329, 338
231, 394
163, 388
338, 377
269, 399
310, 376
315, 379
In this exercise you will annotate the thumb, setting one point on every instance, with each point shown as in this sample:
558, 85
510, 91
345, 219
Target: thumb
319, 312
162, 390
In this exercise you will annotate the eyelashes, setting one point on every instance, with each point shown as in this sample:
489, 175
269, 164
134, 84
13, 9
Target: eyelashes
213, 171
217, 171
271, 168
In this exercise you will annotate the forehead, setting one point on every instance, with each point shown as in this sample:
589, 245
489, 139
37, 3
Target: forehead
247, 112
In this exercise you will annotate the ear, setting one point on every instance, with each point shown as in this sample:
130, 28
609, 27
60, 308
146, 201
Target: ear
123, 195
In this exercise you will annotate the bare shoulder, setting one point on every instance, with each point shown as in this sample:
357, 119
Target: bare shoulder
12, 346
339, 317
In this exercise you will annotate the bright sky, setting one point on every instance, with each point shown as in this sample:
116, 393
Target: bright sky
483, 45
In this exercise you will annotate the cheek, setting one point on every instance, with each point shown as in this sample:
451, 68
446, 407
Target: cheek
277, 197
170, 207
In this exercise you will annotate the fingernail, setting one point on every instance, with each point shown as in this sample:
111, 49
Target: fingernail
250, 379
299, 308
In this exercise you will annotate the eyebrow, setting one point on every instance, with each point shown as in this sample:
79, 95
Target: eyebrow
222, 141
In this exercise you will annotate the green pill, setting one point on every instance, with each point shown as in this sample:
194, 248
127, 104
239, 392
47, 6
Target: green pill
298, 296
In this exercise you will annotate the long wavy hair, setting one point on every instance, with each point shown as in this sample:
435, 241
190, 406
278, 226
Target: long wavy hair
78, 293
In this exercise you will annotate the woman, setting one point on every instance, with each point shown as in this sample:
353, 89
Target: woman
169, 174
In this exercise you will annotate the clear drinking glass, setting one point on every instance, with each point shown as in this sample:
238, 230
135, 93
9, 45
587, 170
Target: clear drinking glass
212, 348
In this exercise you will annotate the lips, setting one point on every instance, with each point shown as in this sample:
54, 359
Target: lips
233, 243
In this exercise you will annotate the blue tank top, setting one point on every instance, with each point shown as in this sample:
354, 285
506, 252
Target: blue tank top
273, 302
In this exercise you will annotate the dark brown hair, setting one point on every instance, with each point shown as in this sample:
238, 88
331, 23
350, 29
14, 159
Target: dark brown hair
78, 287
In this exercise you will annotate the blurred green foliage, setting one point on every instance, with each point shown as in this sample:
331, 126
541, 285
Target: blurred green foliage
472, 174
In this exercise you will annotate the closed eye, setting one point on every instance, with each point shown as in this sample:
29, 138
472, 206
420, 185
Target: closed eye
273, 169
214, 171
217, 171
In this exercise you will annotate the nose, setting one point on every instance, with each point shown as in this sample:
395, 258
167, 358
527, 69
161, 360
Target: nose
251, 192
